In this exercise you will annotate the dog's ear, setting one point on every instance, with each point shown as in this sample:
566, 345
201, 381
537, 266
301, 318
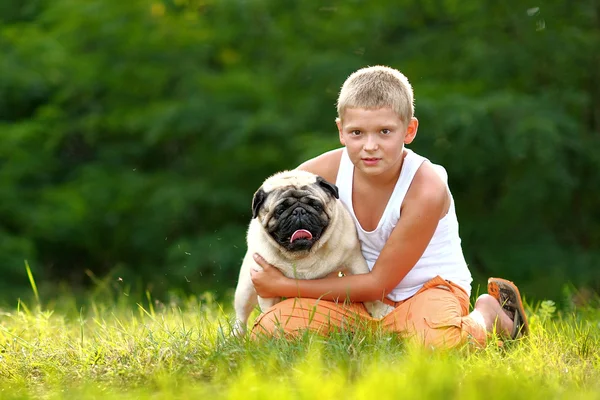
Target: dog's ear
329, 187
257, 201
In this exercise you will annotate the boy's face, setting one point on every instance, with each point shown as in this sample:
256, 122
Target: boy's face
375, 138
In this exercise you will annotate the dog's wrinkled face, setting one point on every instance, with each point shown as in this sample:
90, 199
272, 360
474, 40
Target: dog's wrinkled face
295, 208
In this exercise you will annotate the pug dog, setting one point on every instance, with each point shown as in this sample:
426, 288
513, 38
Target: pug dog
299, 226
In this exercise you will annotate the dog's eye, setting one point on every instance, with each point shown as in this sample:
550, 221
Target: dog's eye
279, 211
317, 207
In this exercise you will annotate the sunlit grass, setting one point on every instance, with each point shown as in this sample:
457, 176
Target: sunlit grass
111, 348
183, 350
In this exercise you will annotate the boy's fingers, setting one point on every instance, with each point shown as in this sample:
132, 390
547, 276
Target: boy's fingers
260, 261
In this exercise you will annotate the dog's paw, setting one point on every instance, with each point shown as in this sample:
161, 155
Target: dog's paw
239, 329
378, 309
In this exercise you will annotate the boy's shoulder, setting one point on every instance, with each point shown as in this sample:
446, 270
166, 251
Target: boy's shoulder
429, 188
325, 165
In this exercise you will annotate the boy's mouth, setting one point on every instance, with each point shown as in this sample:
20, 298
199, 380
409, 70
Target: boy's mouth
371, 160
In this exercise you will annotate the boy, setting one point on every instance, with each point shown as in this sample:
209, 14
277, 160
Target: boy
407, 225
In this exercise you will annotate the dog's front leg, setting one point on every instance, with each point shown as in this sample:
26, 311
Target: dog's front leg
266, 303
355, 263
245, 298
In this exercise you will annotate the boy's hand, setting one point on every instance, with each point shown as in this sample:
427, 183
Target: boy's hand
269, 281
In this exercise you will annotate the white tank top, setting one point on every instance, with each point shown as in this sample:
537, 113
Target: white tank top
443, 256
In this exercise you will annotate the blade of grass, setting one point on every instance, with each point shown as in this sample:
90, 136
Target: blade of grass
32, 282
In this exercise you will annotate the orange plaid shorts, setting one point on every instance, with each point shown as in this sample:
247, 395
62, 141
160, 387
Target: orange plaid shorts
436, 316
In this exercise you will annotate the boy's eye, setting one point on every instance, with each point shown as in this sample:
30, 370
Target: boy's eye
386, 131
355, 132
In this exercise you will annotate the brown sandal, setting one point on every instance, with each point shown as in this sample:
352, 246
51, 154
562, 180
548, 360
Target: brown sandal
509, 298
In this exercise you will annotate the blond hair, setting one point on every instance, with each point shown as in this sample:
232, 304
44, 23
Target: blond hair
377, 87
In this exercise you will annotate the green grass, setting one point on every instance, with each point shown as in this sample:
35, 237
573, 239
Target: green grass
182, 350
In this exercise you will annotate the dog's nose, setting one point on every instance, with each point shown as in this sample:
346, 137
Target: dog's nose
299, 211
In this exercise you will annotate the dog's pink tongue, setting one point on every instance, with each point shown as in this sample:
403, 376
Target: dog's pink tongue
301, 234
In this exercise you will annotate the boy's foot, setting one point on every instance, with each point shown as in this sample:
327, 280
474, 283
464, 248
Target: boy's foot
509, 298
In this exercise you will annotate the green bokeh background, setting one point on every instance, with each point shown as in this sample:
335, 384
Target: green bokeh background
134, 133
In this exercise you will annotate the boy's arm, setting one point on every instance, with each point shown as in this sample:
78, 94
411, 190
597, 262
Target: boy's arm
424, 205
326, 165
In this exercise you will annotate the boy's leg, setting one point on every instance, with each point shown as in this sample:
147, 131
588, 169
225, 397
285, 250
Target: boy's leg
293, 316
436, 316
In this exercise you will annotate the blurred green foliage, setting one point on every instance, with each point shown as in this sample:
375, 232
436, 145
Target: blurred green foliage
134, 133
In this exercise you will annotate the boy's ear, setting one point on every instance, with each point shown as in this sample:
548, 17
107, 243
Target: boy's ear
411, 130
338, 122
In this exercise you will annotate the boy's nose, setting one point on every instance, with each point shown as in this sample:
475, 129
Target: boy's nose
371, 143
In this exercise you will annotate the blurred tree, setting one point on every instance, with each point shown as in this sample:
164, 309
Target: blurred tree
133, 134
